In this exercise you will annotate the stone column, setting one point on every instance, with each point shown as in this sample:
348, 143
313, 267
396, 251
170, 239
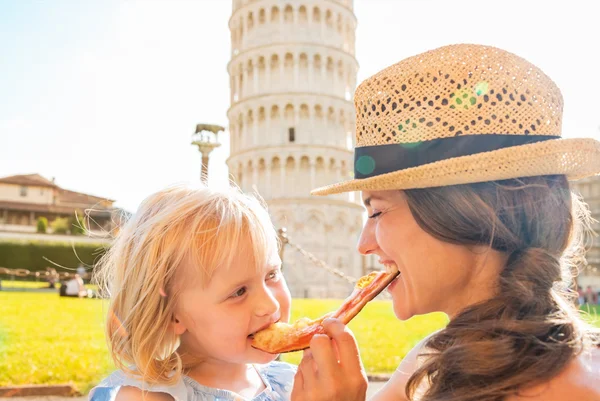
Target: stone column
245, 85
255, 174
268, 184
255, 79
267, 86
235, 88
244, 31
254, 132
336, 88
281, 70
310, 66
282, 187
296, 72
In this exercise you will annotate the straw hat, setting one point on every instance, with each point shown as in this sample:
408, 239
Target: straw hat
461, 114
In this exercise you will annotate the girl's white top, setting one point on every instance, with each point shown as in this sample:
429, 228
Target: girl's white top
278, 378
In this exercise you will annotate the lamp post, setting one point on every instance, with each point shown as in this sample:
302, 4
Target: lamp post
283, 238
206, 138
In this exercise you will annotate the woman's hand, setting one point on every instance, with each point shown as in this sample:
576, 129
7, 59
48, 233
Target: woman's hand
331, 370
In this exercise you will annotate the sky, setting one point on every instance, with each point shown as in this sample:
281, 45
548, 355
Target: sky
104, 95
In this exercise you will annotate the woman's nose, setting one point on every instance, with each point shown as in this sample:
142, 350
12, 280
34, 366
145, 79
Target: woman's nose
367, 243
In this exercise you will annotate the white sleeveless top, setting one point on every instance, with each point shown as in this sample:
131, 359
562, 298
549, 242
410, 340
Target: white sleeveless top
278, 378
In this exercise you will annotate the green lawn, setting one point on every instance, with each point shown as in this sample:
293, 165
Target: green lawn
593, 314
51, 339
25, 284
34, 285
383, 340
48, 339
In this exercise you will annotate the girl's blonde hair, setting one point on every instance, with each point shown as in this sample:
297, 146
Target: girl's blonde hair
181, 223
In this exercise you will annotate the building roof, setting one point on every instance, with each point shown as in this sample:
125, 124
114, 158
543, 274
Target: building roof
28, 179
66, 196
58, 209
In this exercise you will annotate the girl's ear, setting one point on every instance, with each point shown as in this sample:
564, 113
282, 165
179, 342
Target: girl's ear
178, 326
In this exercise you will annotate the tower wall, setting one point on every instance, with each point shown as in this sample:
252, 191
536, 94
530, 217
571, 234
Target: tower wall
292, 77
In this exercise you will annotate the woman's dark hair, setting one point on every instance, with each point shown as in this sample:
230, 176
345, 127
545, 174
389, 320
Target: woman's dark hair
531, 329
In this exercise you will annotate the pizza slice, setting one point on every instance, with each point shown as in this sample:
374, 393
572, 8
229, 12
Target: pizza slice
283, 337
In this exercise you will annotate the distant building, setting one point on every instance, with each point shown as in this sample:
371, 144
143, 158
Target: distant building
291, 122
25, 198
589, 189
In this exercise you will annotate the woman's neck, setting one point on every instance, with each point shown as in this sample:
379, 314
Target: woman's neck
242, 379
482, 284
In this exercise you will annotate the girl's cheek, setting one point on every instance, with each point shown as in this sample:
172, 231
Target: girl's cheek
283, 295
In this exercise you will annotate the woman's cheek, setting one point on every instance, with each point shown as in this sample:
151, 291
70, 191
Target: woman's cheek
385, 236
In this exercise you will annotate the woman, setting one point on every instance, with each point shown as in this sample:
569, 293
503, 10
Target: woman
464, 177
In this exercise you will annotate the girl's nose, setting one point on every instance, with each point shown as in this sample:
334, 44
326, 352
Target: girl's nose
267, 303
367, 242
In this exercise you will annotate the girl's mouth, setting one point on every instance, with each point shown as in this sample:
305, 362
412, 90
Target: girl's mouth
251, 335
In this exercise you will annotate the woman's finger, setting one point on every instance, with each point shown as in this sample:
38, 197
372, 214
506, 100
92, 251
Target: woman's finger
324, 356
298, 388
308, 370
347, 349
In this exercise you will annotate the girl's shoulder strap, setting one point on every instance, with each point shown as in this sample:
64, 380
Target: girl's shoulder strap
279, 376
108, 388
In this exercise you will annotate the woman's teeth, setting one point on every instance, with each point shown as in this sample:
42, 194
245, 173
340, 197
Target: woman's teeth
390, 268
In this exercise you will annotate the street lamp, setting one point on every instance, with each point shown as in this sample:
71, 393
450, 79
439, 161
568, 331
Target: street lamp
206, 138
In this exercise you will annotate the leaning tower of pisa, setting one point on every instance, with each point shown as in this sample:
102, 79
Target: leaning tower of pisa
291, 120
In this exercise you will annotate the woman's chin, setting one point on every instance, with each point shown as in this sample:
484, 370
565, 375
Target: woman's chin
402, 313
402, 310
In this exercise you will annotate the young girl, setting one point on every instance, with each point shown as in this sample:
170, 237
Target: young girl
192, 276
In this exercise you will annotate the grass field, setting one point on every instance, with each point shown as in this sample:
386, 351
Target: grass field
34, 285
46, 339
25, 284
383, 339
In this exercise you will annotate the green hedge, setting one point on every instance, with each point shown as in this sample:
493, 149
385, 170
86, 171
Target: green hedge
30, 254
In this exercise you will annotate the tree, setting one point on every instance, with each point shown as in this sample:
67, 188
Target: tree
42, 225
77, 223
60, 225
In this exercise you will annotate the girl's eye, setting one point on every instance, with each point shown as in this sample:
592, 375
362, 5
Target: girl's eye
239, 293
275, 275
375, 215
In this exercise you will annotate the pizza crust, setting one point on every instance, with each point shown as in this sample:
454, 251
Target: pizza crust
283, 337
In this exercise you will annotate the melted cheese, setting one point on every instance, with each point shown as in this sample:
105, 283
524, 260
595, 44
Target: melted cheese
365, 280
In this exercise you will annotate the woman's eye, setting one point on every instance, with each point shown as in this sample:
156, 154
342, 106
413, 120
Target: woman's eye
239, 293
375, 215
